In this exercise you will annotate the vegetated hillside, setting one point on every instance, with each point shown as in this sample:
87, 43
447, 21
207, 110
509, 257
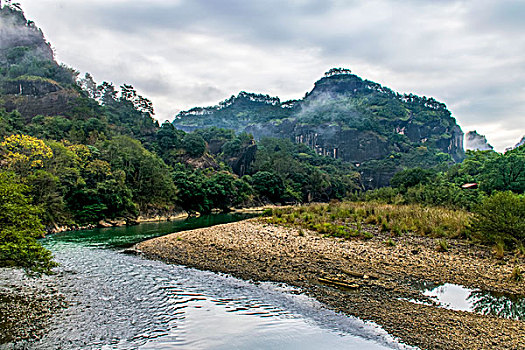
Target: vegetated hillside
347, 118
89, 151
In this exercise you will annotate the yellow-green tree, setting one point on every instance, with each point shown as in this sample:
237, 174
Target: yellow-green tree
22, 153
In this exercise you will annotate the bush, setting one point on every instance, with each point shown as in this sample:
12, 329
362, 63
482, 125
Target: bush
501, 218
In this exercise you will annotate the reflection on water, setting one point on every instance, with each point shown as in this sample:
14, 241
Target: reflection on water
457, 297
499, 304
121, 301
125, 236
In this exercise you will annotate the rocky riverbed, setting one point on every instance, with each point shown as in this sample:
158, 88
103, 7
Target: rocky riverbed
368, 279
26, 305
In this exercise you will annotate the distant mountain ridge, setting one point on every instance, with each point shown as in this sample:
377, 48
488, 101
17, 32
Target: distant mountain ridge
347, 118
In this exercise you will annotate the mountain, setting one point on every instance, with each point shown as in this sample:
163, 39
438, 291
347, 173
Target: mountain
91, 151
30, 79
347, 118
476, 142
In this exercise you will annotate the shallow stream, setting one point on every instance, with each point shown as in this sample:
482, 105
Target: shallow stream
121, 301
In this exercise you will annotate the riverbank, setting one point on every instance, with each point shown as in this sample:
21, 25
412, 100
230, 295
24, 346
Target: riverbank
149, 218
26, 305
368, 279
117, 222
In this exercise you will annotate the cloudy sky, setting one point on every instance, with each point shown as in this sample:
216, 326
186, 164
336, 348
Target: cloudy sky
186, 53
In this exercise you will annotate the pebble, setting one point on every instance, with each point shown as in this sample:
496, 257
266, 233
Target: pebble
253, 250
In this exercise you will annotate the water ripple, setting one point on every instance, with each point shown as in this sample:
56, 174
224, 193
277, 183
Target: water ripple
121, 301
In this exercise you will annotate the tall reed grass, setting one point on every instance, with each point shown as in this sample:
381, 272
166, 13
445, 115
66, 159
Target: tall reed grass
361, 219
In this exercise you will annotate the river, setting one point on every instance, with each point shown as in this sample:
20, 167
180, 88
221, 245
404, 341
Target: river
122, 301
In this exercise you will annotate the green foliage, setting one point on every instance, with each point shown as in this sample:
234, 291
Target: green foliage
10, 123
200, 191
390, 242
235, 112
269, 185
20, 226
501, 218
491, 170
504, 172
517, 274
442, 185
215, 134
442, 245
411, 177
146, 174
194, 144
168, 138
306, 176
232, 148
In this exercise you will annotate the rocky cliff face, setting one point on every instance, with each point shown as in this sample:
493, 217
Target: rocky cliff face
476, 142
30, 79
27, 87
241, 162
55, 103
334, 141
343, 117
19, 37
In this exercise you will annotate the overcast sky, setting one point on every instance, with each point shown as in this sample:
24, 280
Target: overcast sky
186, 53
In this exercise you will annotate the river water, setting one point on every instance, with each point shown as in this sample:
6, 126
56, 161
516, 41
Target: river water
121, 301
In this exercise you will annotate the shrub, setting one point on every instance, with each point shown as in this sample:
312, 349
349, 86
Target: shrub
516, 275
267, 212
442, 246
500, 218
389, 242
499, 250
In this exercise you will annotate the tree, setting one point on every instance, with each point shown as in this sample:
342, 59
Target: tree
89, 85
505, 172
147, 175
107, 93
22, 153
168, 138
224, 190
336, 71
194, 144
268, 185
501, 218
411, 177
19, 227
190, 190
